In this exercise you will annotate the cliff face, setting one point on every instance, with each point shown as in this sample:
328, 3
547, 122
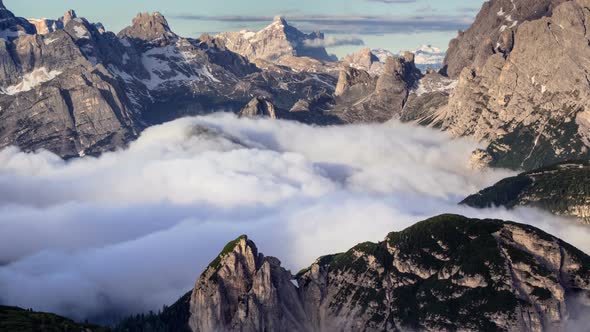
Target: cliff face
362, 97
56, 96
445, 273
492, 32
530, 101
244, 291
563, 189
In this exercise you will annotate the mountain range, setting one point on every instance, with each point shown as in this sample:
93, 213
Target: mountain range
103, 89
517, 81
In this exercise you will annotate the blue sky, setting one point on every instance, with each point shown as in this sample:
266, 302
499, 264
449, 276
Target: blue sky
389, 24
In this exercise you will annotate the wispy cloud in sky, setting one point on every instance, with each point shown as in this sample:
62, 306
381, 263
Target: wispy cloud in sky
347, 24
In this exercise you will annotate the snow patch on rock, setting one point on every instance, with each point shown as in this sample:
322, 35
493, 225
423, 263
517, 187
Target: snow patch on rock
31, 80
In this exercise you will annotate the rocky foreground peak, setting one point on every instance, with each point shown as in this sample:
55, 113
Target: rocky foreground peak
445, 273
242, 290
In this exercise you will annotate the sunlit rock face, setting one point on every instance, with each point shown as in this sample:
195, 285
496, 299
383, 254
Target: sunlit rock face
528, 95
276, 41
492, 32
445, 273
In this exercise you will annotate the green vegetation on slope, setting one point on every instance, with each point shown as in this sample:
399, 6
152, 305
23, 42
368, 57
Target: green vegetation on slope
560, 189
13, 319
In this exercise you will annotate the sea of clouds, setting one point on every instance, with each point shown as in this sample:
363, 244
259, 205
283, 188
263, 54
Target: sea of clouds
132, 230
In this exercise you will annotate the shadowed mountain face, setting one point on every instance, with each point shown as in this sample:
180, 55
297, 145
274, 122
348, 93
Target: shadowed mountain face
563, 189
445, 273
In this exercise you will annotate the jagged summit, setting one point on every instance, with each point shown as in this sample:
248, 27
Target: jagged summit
277, 41
476, 275
365, 60
45, 26
280, 19
149, 27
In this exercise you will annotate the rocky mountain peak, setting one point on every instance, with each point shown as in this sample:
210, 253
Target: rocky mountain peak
68, 16
259, 107
366, 60
45, 26
243, 290
149, 27
275, 42
280, 21
475, 274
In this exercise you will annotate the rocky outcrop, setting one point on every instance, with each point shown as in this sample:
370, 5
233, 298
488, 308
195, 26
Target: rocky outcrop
45, 26
242, 290
351, 78
276, 41
531, 103
259, 107
445, 273
362, 98
365, 60
148, 27
563, 189
493, 32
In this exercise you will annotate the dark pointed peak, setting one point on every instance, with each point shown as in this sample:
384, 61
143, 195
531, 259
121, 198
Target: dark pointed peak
100, 27
2, 5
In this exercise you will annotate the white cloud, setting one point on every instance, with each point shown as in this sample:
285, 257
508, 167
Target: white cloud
334, 42
131, 230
